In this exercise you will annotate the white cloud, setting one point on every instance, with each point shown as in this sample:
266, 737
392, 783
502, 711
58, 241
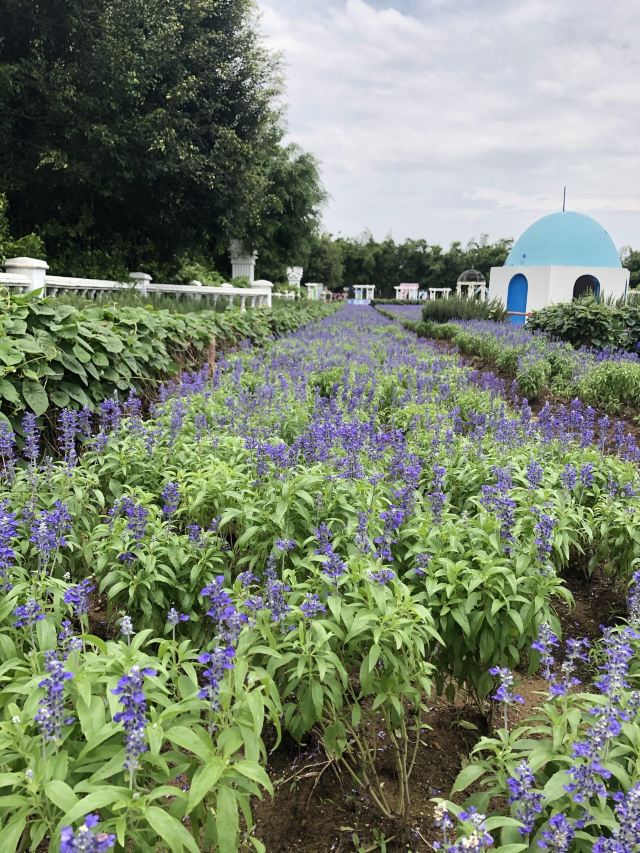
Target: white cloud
444, 119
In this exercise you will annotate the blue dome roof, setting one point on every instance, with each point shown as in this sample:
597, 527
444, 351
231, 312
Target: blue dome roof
564, 239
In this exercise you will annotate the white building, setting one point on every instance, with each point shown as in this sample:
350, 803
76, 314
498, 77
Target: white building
560, 257
406, 291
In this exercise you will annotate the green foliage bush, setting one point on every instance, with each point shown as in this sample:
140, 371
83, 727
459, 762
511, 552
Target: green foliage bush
57, 355
612, 385
589, 323
460, 308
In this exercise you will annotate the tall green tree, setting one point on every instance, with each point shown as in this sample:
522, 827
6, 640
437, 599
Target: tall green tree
135, 131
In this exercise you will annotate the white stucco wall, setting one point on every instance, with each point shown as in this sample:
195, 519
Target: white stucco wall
555, 284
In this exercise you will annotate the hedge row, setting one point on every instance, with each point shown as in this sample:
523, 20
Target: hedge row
54, 355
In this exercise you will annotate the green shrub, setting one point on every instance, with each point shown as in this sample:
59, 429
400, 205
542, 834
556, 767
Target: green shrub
583, 322
612, 385
460, 308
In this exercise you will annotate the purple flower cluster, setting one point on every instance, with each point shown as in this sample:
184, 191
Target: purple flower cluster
527, 800
437, 496
7, 452
312, 606
8, 532
67, 429
505, 692
136, 515
544, 644
49, 530
229, 621
170, 499
79, 596
31, 438
626, 836
558, 836
217, 663
28, 614
498, 499
130, 691
543, 530
52, 715
174, 618
85, 839
334, 566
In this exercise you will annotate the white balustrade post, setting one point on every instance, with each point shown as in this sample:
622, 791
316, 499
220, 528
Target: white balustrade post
294, 276
243, 261
35, 270
140, 281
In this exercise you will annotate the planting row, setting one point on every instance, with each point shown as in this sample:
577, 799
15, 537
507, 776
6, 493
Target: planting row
55, 355
319, 535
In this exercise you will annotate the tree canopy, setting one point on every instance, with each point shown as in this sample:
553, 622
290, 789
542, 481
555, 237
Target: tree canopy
137, 131
345, 262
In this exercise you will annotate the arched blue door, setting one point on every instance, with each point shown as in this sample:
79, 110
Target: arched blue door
517, 299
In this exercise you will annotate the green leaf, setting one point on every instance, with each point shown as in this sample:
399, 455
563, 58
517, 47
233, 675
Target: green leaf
35, 396
467, 776
227, 820
8, 392
60, 794
195, 739
204, 780
170, 830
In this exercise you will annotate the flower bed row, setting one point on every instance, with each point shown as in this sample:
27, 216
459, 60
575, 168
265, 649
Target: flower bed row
318, 535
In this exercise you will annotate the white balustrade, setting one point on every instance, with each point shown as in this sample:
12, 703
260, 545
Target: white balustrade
24, 274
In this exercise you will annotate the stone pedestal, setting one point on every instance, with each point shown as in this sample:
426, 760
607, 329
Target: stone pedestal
243, 261
35, 270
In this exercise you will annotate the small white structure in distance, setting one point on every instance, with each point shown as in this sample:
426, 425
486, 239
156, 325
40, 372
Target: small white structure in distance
471, 283
559, 258
439, 292
294, 276
314, 290
406, 291
363, 294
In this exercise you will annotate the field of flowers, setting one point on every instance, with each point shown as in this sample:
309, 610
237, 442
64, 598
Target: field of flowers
309, 545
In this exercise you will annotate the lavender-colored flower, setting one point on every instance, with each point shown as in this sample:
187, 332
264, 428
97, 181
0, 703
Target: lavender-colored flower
505, 692
7, 451
285, 545
476, 841
84, 839
68, 641
422, 561
28, 614
312, 606
52, 715
586, 474
247, 578
382, 576
498, 499
535, 473
31, 438
618, 653
126, 626
49, 529
110, 415
437, 496
521, 791
133, 716
544, 644
569, 477
362, 533
174, 618
543, 530
136, 515
78, 597
170, 499
626, 836
67, 429
442, 821
633, 597
576, 650
558, 837
194, 532
8, 531
127, 557
275, 594
218, 662
85, 422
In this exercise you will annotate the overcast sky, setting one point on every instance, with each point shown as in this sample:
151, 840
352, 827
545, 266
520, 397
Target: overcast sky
444, 119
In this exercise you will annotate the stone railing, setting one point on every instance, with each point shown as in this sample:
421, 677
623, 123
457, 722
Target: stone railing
28, 274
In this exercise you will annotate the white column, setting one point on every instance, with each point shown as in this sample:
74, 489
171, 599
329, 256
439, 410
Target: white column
243, 261
35, 270
140, 281
294, 276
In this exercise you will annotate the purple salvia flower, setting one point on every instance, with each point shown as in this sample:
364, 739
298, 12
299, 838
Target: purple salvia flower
218, 662
170, 499
7, 451
8, 531
78, 597
535, 473
437, 496
31, 438
49, 529
84, 839
544, 644
521, 791
558, 837
28, 614
577, 650
174, 618
569, 477
68, 641
126, 626
51, 715
134, 714
312, 606
382, 576
67, 429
